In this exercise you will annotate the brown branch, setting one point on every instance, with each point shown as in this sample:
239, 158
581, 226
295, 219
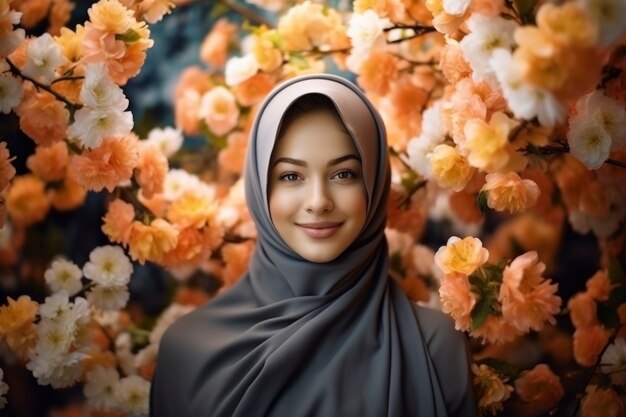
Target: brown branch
405, 200
420, 30
563, 147
616, 163
17, 72
515, 132
593, 368
68, 78
245, 12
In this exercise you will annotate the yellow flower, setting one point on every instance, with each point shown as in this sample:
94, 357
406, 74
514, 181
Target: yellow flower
27, 202
71, 43
543, 62
461, 255
265, 52
150, 242
567, 24
450, 168
16, 324
486, 144
508, 192
111, 16
191, 209
491, 389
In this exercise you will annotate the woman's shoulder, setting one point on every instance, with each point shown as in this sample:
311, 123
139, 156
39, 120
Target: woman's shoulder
436, 326
450, 355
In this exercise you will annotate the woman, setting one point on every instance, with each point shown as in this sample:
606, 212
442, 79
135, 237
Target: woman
315, 327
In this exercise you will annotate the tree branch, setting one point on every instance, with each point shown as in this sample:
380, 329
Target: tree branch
17, 72
245, 12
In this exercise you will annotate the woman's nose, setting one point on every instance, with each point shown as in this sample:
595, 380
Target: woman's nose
319, 200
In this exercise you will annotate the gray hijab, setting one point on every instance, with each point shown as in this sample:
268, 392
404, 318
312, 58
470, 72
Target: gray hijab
294, 338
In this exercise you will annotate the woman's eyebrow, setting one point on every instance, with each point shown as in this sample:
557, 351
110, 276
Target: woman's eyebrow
343, 158
302, 163
290, 161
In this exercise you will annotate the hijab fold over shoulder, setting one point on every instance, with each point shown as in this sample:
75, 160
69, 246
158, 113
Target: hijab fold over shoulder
301, 339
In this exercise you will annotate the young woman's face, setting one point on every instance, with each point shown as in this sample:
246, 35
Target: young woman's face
317, 197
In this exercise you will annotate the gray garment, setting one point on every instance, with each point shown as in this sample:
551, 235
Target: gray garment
294, 338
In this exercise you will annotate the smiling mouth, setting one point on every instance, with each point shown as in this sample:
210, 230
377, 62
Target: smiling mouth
319, 230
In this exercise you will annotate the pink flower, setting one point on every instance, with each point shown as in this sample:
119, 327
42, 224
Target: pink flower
457, 299
539, 387
527, 299
600, 402
496, 330
588, 343
219, 110
582, 310
599, 285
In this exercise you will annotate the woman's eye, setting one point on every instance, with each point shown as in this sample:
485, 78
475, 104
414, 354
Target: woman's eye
345, 175
289, 177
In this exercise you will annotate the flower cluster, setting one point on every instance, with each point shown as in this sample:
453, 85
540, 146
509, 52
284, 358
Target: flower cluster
59, 338
495, 302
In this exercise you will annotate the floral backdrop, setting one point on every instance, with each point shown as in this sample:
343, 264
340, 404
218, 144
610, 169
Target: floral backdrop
123, 132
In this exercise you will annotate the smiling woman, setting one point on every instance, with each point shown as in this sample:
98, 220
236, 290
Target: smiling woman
315, 327
317, 196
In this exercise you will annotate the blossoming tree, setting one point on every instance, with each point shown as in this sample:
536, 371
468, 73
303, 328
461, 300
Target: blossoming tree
506, 122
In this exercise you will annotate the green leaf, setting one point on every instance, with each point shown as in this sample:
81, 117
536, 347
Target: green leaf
298, 60
616, 273
501, 367
526, 9
395, 262
129, 37
607, 315
481, 202
481, 310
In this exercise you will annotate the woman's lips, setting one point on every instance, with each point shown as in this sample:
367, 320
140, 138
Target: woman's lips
319, 230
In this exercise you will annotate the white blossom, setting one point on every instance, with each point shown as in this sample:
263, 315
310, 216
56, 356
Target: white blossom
99, 91
146, 355
9, 41
608, 16
583, 223
364, 29
487, 34
108, 266
91, 125
168, 139
4, 388
64, 275
525, 101
133, 394
589, 142
124, 354
53, 338
613, 361
58, 371
43, 57
55, 307
109, 298
357, 57
167, 317
419, 150
239, 69
433, 125
179, 181
455, 7
607, 112
11, 93
100, 389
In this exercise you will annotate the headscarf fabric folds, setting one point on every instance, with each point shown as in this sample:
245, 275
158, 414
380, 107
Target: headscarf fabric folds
301, 339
